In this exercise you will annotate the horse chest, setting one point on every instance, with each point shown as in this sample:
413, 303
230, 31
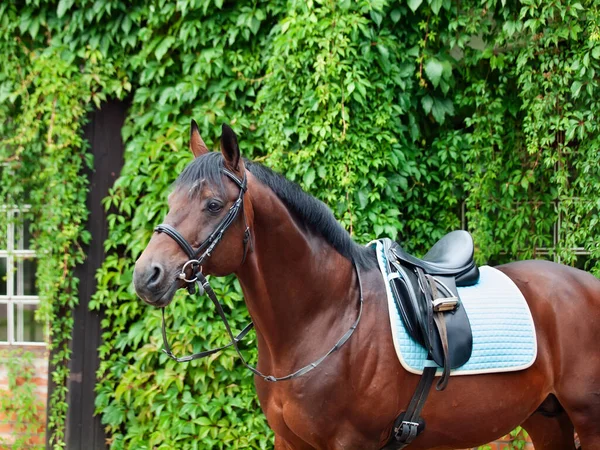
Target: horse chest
296, 412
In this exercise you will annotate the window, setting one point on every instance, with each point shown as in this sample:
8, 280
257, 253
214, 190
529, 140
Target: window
18, 293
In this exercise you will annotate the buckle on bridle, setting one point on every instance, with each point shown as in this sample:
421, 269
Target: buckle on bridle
195, 263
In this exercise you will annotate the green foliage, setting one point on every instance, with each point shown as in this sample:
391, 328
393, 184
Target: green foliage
20, 404
397, 114
517, 440
44, 103
519, 436
533, 146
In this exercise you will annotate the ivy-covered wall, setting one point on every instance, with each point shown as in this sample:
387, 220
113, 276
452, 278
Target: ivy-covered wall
404, 116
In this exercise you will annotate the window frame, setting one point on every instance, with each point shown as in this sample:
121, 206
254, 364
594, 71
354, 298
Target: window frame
14, 314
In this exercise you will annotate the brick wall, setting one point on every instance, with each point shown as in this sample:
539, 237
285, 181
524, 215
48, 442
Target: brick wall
31, 378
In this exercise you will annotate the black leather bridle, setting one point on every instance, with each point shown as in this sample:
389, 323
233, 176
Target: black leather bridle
198, 256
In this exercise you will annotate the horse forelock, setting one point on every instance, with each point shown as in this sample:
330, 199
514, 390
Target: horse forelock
206, 168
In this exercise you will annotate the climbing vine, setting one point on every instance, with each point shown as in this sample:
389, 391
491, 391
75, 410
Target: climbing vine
409, 118
20, 404
45, 98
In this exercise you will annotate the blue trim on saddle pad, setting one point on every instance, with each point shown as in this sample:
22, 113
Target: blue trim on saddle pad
504, 337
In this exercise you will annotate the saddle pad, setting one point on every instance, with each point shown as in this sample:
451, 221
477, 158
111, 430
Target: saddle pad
504, 337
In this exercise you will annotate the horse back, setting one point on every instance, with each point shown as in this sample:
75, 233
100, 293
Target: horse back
552, 278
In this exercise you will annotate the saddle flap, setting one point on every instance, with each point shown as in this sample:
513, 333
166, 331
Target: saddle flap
402, 284
458, 328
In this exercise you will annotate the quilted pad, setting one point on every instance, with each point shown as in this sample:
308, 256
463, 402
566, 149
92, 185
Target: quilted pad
503, 331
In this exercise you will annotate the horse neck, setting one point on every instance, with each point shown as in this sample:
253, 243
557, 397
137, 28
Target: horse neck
295, 283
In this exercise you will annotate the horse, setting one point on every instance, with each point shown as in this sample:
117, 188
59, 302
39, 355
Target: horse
305, 282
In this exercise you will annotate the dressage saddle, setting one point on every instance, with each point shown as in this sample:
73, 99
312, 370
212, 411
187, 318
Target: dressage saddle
426, 294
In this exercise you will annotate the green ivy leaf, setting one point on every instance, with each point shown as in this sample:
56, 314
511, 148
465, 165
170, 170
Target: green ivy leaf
363, 198
575, 88
63, 7
383, 50
436, 5
376, 16
309, 177
434, 69
414, 4
163, 47
427, 103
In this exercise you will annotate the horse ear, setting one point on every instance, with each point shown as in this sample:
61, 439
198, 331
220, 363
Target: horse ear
197, 145
230, 149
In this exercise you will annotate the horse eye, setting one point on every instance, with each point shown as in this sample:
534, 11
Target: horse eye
214, 206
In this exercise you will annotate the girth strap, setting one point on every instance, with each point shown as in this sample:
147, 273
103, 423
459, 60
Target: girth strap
440, 323
409, 424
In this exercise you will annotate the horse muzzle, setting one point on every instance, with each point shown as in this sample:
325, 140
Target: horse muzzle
154, 285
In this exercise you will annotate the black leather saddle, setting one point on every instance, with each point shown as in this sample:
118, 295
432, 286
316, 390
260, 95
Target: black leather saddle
426, 294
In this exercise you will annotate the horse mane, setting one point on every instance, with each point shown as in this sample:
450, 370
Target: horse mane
307, 210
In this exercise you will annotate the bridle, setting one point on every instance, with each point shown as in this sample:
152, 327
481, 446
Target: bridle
198, 256
204, 251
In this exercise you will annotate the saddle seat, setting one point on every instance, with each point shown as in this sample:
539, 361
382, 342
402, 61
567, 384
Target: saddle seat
451, 256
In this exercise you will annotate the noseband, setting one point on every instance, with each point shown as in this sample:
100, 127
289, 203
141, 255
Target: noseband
197, 257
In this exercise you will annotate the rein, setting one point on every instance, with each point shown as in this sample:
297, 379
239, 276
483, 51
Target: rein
198, 278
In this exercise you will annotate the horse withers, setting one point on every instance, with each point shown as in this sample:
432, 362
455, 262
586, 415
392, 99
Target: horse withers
313, 292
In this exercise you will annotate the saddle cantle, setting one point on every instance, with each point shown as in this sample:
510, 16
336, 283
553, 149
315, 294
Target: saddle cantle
428, 301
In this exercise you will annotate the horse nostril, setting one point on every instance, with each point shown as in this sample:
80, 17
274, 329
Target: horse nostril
156, 276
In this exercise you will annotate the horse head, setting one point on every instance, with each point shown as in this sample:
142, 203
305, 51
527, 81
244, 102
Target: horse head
207, 227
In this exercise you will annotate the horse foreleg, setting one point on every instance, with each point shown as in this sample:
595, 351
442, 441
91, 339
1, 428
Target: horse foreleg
550, 433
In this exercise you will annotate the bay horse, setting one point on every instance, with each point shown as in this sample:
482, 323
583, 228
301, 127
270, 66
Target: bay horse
299, 269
